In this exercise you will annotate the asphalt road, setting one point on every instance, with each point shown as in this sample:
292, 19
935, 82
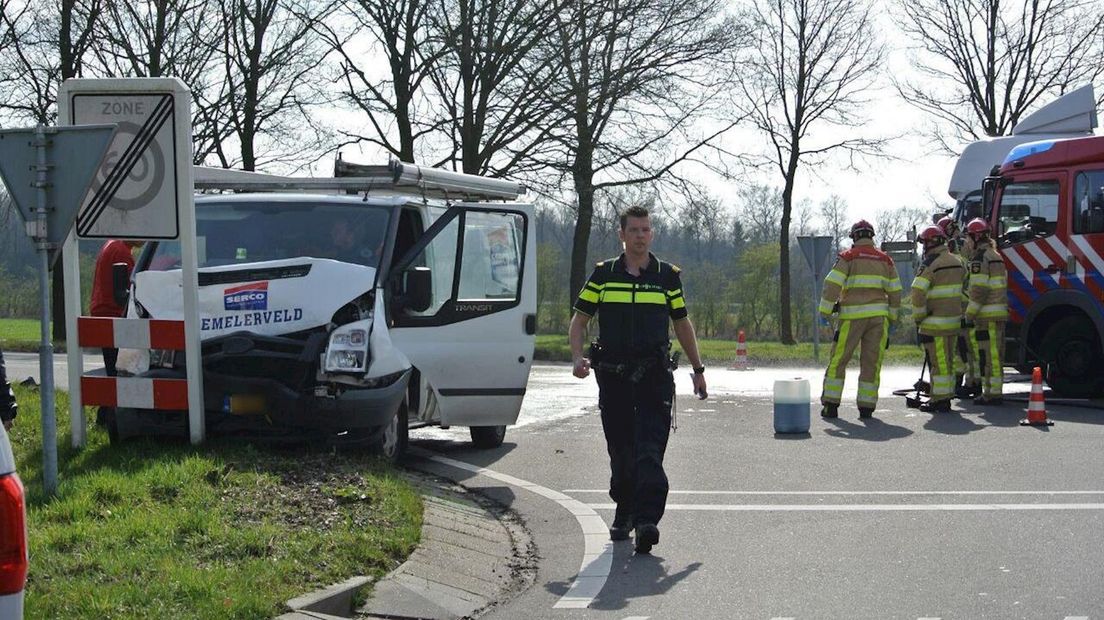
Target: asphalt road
910, 515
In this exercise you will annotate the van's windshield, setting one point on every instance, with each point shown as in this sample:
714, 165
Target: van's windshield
247, 232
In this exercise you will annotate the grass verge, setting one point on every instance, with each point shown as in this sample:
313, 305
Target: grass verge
554, 347
224, 530
19, 335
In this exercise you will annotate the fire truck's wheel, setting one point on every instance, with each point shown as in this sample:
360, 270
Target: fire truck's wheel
1075, 357
392, 444
486, 437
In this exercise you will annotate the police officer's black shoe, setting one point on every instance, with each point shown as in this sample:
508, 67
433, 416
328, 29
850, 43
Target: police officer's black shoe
866, 412
829, 410
619, 532
647, 536
936, 406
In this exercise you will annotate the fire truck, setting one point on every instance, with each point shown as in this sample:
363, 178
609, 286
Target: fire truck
1045, 204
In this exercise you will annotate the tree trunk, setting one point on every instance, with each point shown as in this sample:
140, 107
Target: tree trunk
68, 70
583, 175
785, 319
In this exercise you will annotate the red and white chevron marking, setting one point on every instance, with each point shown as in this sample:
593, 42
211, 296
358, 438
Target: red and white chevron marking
110, 333
134, 392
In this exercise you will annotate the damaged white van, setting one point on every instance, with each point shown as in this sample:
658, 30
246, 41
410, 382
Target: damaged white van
352, 307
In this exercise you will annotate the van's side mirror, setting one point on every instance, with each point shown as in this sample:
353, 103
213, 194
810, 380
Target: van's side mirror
120, 283
417, 289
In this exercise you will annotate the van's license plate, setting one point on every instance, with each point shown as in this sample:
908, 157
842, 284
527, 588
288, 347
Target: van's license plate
244, 404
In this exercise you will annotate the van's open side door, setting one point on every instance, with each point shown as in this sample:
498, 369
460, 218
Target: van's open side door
473, 344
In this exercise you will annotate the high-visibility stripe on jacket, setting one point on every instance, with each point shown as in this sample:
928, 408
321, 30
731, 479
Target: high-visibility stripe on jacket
864, 282
937, 293
634, 312
988, 282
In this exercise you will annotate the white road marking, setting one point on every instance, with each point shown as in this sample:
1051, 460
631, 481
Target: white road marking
1077, 618
597, 548
604, 491
865, 507
638, 618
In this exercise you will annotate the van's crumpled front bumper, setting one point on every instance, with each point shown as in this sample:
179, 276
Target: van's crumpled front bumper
351, 409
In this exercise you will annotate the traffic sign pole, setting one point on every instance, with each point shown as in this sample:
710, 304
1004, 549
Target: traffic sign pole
46, 347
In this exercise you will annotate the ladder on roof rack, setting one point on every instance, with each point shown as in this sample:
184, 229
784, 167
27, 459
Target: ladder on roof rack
394, 178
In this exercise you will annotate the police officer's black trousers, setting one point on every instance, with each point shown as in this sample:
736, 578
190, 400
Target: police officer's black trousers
636, 419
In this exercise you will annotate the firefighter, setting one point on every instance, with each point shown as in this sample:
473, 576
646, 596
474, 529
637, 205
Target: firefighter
967, 383
864, 287
987, 311
635, 296
937, 310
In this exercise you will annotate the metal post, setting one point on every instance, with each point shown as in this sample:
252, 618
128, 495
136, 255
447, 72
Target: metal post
816, 319
46, 348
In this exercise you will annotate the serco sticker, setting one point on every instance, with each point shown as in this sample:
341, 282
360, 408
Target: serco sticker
253, 296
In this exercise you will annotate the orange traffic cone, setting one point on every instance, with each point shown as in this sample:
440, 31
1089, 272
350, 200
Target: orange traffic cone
1036, 405
741, 362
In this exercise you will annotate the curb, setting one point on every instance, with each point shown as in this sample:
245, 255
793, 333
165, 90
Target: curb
474, 555
336, 601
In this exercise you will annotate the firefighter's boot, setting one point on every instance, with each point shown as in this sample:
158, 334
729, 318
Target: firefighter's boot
829, 410
936, 406
866, 412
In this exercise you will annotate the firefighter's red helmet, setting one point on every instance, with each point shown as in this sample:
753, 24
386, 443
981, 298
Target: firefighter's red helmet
862, 228
977, 226
932, 235
948, 225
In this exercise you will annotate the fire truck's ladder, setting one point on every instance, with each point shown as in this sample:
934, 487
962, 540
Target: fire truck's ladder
394, 178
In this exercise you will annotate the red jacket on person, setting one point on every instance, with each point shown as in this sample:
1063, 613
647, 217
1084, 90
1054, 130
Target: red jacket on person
103, 297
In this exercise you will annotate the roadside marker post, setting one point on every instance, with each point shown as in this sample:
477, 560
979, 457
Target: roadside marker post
143, 191
46, 171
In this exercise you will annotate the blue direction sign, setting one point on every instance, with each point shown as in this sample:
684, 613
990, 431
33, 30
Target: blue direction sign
72, 157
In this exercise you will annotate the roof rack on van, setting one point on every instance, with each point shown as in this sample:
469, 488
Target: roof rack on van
394, 178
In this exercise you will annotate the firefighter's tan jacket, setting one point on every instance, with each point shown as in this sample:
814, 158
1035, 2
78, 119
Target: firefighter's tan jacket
937, 293
988, 282
864, 282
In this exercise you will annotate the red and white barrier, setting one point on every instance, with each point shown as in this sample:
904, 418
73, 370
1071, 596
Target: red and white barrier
132, 392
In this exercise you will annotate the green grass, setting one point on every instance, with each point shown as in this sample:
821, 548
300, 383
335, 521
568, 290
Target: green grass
554, 347
19, 335
225, 530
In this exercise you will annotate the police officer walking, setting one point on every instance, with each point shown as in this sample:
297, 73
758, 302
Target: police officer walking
864, 287
937, 310
635, 296
987, 311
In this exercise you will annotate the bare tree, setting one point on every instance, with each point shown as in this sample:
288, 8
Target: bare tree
895, 224
397, 110
271, 80
833, 213
490, 81
637, 77
760, 208
983, 63
158, 38
814, 64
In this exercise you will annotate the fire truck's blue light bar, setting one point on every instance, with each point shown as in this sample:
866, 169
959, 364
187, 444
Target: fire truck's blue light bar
1030, 148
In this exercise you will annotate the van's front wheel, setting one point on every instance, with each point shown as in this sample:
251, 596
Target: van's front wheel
486, 437
392, 442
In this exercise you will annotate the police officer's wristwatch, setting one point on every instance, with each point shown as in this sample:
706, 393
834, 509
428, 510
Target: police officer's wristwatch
699, 370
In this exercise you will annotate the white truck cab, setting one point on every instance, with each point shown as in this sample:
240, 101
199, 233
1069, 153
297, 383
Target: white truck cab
407, 299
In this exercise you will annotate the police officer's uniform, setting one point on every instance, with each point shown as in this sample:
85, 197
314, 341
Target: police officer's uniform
937, 310
635, 380
864, 283
988, 312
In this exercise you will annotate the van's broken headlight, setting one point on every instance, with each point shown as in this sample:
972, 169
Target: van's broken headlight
348, 350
